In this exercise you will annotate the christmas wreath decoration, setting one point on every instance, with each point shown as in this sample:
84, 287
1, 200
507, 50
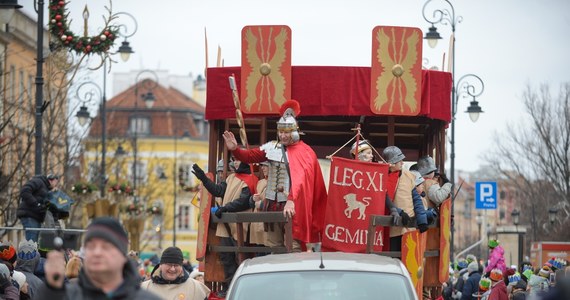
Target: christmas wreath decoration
58, 26
83, 188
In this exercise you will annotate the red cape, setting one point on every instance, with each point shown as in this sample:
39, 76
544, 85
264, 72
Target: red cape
307, 188
308, 191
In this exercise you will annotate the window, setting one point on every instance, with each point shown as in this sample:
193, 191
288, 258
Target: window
141, 173
185, 176
184, 217
140, 126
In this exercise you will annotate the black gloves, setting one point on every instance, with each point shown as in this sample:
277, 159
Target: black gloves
444, 178
405, 218
423, 228
196, 170
220, 211
5, 281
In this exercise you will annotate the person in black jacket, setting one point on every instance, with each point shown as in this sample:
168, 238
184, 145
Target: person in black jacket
33, 203
471, 286
236, 192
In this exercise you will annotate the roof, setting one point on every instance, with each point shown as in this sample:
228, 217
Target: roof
172, 114
307, 261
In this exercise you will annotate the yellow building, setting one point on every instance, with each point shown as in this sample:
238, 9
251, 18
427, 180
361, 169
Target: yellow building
162, 142
18, 44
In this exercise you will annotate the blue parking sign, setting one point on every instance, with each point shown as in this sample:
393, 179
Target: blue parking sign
486, 195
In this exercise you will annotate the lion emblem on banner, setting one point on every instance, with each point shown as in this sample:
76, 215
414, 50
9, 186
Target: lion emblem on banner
352, 204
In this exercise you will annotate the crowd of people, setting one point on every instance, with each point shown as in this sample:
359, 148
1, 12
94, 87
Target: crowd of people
101, 269
470, 279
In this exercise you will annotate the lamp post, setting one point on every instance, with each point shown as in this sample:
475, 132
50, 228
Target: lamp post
175, 181
149, 100
552, 214
82, 115
479, 220
515, 215
447, 17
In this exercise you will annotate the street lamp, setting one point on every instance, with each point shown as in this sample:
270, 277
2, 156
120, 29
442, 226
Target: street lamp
447, 17
186, 134
7, 8
125, 50
552, 214
479, 221
83, 114
516, 216
149, 99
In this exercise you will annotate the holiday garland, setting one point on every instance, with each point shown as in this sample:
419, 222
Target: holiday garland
58, 26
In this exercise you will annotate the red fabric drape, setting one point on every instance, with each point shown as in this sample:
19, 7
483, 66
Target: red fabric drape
328, 91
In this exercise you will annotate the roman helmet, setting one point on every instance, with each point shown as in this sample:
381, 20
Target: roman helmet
419, 178
393, 154
426, 165
362, 145
288, 111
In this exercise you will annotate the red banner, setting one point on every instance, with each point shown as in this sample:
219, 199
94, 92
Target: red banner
356, 190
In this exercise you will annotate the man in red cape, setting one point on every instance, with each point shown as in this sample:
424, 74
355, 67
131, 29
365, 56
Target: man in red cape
295, 182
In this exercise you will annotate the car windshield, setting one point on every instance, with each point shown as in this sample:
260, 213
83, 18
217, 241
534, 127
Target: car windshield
325, 285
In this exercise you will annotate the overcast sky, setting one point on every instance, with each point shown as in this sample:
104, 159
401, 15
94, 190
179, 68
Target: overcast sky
508, 43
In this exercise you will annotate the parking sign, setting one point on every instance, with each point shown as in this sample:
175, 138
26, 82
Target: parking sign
486, 195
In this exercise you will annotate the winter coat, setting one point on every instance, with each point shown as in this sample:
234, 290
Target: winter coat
537, 285
10, 293
496, 260
85, 290
33, 198
471, 286
182, 287
27, 267
499, 291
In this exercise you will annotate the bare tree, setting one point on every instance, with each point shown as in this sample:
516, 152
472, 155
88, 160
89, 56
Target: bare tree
534, 156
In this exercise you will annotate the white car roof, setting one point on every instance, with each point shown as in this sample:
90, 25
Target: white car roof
307, 261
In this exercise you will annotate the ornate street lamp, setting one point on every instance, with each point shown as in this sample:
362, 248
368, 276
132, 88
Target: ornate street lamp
462, 86
149, 99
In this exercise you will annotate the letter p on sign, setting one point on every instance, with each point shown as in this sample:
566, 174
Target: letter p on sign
486, 195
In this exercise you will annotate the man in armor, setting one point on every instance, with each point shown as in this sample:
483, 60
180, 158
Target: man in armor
402, 188
434, 192
295, 183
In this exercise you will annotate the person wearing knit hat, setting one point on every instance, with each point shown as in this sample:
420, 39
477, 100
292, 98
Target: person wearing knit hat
498, 286
20, 279
483, 289
197, 275
7, 289
538, 283
172, 281
107, 272
471, 285
496, 257
28, 259
7, 252
27, 262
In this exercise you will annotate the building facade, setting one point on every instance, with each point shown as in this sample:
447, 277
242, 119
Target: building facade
161, 143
